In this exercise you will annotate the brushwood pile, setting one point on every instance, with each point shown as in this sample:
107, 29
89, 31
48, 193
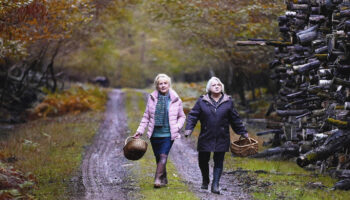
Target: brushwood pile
312, 68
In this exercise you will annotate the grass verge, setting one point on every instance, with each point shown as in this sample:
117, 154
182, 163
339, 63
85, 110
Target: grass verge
51, 149
145, 169
282, 179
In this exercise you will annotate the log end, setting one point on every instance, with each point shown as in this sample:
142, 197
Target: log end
342, 185
302, 161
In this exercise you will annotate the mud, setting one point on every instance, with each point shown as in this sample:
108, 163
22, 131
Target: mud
104, 171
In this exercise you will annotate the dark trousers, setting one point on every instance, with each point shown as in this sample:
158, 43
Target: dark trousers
204, 157
203, 160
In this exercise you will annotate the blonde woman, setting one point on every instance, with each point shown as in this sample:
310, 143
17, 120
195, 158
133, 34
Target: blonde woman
164, 117
215, 111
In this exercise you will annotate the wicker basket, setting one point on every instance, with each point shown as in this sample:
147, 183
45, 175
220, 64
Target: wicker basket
244, 147
135, 148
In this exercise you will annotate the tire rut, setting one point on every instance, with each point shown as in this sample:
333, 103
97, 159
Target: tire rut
104, 170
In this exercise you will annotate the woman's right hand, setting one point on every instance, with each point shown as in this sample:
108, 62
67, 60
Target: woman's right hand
188, 133
137, 135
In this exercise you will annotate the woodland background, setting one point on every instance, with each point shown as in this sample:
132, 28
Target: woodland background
47, 44
51, 49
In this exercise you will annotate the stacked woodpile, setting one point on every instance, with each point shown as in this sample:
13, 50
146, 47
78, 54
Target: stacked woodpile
312, 68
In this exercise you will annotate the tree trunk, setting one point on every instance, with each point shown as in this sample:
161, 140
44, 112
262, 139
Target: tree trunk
252, 89
239, 83
50, 67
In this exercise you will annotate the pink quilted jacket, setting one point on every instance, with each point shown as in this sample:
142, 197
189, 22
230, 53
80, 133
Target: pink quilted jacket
176, 115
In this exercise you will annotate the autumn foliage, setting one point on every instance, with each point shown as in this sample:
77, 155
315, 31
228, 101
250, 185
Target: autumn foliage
24, 22
32, 33
77, 99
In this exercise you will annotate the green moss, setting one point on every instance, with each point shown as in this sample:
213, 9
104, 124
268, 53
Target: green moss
311, 156
337, 122
144, 168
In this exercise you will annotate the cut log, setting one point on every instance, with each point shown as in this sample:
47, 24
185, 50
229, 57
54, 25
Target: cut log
286, 151
342, 185
250, 43
305, 146
273, 131
342, 174
286, 113
333, 144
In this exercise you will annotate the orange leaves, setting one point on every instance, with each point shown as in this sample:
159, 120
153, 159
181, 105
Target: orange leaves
75, 100
19, 13
29, 21
20, 16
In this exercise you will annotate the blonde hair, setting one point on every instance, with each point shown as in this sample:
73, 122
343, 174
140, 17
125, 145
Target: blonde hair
207, 89
163, 76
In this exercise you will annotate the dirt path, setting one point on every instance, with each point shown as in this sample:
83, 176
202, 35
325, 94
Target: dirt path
104, 171
184, 156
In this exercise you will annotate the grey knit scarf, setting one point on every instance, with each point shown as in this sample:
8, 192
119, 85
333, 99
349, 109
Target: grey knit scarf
161, 110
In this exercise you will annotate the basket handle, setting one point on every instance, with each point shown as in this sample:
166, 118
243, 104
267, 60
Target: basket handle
248, 138
126, 140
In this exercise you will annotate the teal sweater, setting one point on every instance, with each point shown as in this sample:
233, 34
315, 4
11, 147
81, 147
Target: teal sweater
163, 131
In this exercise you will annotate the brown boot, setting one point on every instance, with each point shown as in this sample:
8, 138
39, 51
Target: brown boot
160, 171
164, 178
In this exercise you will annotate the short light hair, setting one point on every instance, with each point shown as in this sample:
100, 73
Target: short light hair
207, 89
163, 76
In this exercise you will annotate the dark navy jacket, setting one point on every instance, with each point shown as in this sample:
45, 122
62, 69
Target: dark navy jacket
215, 120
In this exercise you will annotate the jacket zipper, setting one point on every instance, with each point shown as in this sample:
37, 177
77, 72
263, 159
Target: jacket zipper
215, 107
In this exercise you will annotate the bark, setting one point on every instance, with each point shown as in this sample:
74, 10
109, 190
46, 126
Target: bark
342, 185
342, 174
51, 69
333, 144
286, 113
240, 83
286, 151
